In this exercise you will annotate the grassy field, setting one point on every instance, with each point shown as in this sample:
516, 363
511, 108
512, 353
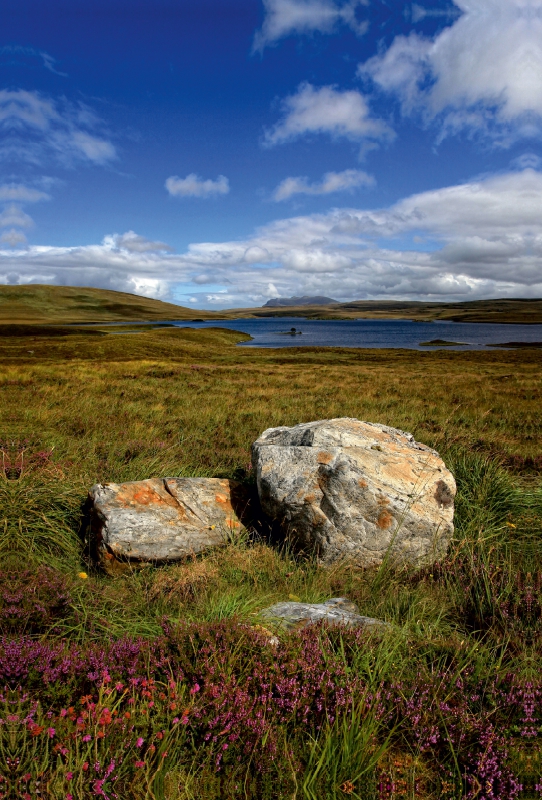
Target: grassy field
37, 304
160, 683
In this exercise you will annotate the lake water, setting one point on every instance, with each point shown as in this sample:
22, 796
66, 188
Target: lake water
269, 332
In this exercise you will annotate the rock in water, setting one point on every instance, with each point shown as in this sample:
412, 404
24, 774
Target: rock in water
337, 611
163, 519
349, 489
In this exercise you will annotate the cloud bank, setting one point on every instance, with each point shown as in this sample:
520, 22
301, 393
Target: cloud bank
479, 239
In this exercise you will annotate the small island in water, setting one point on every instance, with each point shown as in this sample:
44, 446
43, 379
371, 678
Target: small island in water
291, 332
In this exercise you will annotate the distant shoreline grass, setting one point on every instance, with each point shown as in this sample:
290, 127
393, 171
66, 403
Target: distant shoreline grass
132, 685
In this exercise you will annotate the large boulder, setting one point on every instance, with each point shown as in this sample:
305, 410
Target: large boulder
163, 519
349, 489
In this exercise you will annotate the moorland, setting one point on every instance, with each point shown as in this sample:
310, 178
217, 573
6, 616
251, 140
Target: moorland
160, 682
58, 305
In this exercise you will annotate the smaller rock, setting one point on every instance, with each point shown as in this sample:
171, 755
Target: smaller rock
163, 519
337, 611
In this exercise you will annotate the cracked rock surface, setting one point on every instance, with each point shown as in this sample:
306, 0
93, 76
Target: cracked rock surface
163, 519
344, 488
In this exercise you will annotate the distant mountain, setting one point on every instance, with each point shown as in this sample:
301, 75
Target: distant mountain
306, 300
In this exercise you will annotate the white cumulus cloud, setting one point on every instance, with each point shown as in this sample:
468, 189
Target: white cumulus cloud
194, 186
331, 182
484, 72
285, 17
327, 110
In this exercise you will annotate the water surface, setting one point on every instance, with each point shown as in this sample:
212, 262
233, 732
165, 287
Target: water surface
270, 332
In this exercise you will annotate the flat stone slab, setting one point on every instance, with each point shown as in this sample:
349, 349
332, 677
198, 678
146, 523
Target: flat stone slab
163, 519
337, 611
348, 489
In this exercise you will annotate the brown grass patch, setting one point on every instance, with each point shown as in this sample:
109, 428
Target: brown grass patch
184, 582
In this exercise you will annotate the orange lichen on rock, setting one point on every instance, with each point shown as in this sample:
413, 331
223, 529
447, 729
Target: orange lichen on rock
163, 519
139, 494
385, 520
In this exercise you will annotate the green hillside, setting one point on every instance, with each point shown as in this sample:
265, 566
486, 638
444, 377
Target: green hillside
65, 304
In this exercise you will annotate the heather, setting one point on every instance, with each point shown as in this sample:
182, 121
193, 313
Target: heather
214, 714
161, 682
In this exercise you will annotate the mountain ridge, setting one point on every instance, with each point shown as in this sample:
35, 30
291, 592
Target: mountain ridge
305, 300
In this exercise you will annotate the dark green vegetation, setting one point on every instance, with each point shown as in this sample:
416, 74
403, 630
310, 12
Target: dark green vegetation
58, 305
150, 673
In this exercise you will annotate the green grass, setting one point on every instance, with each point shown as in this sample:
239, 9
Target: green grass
188, 403
80, 409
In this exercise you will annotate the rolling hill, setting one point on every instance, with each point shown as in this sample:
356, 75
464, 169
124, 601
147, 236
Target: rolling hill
34, 304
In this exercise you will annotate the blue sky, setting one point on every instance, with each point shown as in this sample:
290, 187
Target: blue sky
225, 152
